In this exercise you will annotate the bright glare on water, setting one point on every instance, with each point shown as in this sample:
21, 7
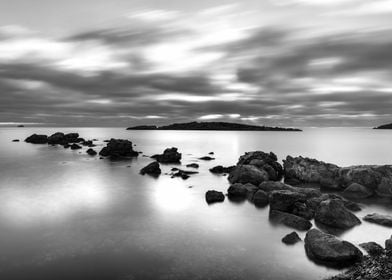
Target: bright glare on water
66, 215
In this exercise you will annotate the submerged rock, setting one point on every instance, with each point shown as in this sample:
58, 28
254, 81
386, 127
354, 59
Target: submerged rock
37, 139
219, 169
118, 149
248, 174
91, 152
214, 196
15, 140
193, 165
206, 158
329, 250
289, 220
384, 220
152, 169
333, 213
184, 174
291, 238
170, 155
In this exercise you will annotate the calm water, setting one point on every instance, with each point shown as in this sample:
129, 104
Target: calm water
65, 215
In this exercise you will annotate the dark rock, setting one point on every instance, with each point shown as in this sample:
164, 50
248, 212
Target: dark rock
220, 169
152, 169
91, 152
285, 200
303, 210
372, 248
214, 196
384, 126
384, 220
193, 165
15, 140
269, 186
260, 198
333, 213
289, 220
170, 155
56, 138
329, 250
66, 146
388, 245
37, 139
75, 147
71, 137
211, 153
248, 174
241, 190
206, 158
118, 149
291, 238
184, 174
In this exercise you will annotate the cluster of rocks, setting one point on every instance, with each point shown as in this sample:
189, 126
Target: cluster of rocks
118, 149
170, 155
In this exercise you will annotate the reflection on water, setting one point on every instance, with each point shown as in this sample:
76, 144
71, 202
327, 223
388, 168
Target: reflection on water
66, 215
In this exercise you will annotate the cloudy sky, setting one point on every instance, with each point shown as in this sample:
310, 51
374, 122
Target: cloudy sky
123, 62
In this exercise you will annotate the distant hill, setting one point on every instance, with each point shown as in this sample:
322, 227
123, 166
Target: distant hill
385, 126
212, 126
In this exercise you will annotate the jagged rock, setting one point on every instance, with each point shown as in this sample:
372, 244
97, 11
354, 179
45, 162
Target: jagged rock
118, 149
291, 238
193, 165
264, 161
284, 200
170, 155
248, 174
91, 152
220, 169
152, 169
289, 220
372, 248
37, 139
329, 250
214, 196
333, 213
384, 220
260, 198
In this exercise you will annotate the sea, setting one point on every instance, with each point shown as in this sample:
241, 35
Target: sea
67, 215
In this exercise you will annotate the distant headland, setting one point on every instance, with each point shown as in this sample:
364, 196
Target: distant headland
224, 126
385, 126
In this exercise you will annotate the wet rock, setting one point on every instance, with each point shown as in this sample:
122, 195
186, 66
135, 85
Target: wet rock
285, 200
118, 149
193, 165
151, 169
241, 190
220, 169
37, 139
263, 161
269, 186
15, 140
372, 248
388, 245
211, 153
214, 196
329, 250
170, 155
291, 238
248, 174
356, 190
289, 220
260, 198
333, 213
71, 137
384, 220
206, 158
184, 174
91, 152
75, 147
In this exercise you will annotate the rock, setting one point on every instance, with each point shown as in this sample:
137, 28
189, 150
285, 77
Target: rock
184, 174
193, 165
269, 186
118, 149
15, 140
388, 245
329, 250
241, 190
220, 169
301, 170
260, 198
211, 153
214, 196
71, 137
263, 161
170, 155
333, 213
289, 220
206, 158
37, 139
291, 238
372, 248
303, 210
56, 138
284, 200
152, 169
248, 174
75, 147
91, 152
384, 220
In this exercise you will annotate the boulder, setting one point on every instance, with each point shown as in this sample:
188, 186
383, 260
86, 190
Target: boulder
118, 149
91, 152
260, 198
269, 186
151, 169
75, 147
372, 248
37, 139
264, 161
71, 137
384, 220
284, 200
214, 196
329, 250
56, 138
248, 174
241, 190
220, 169
333, 213
170, 155
289, 220
291, 238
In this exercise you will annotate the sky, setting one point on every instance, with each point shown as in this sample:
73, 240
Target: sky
265, 62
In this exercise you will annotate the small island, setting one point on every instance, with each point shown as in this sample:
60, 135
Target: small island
385, 126
224, 126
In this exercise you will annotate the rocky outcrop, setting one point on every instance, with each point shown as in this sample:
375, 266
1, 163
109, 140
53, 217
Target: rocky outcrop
291, 238
333, 213
152, 169
357, 191
117, 149
388, 245
263, 161
170, 155
244, 174
372, 248
329, 250
184, 174
59, 138
220, 169
384, 220
289, 220
214, 196
37, 139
